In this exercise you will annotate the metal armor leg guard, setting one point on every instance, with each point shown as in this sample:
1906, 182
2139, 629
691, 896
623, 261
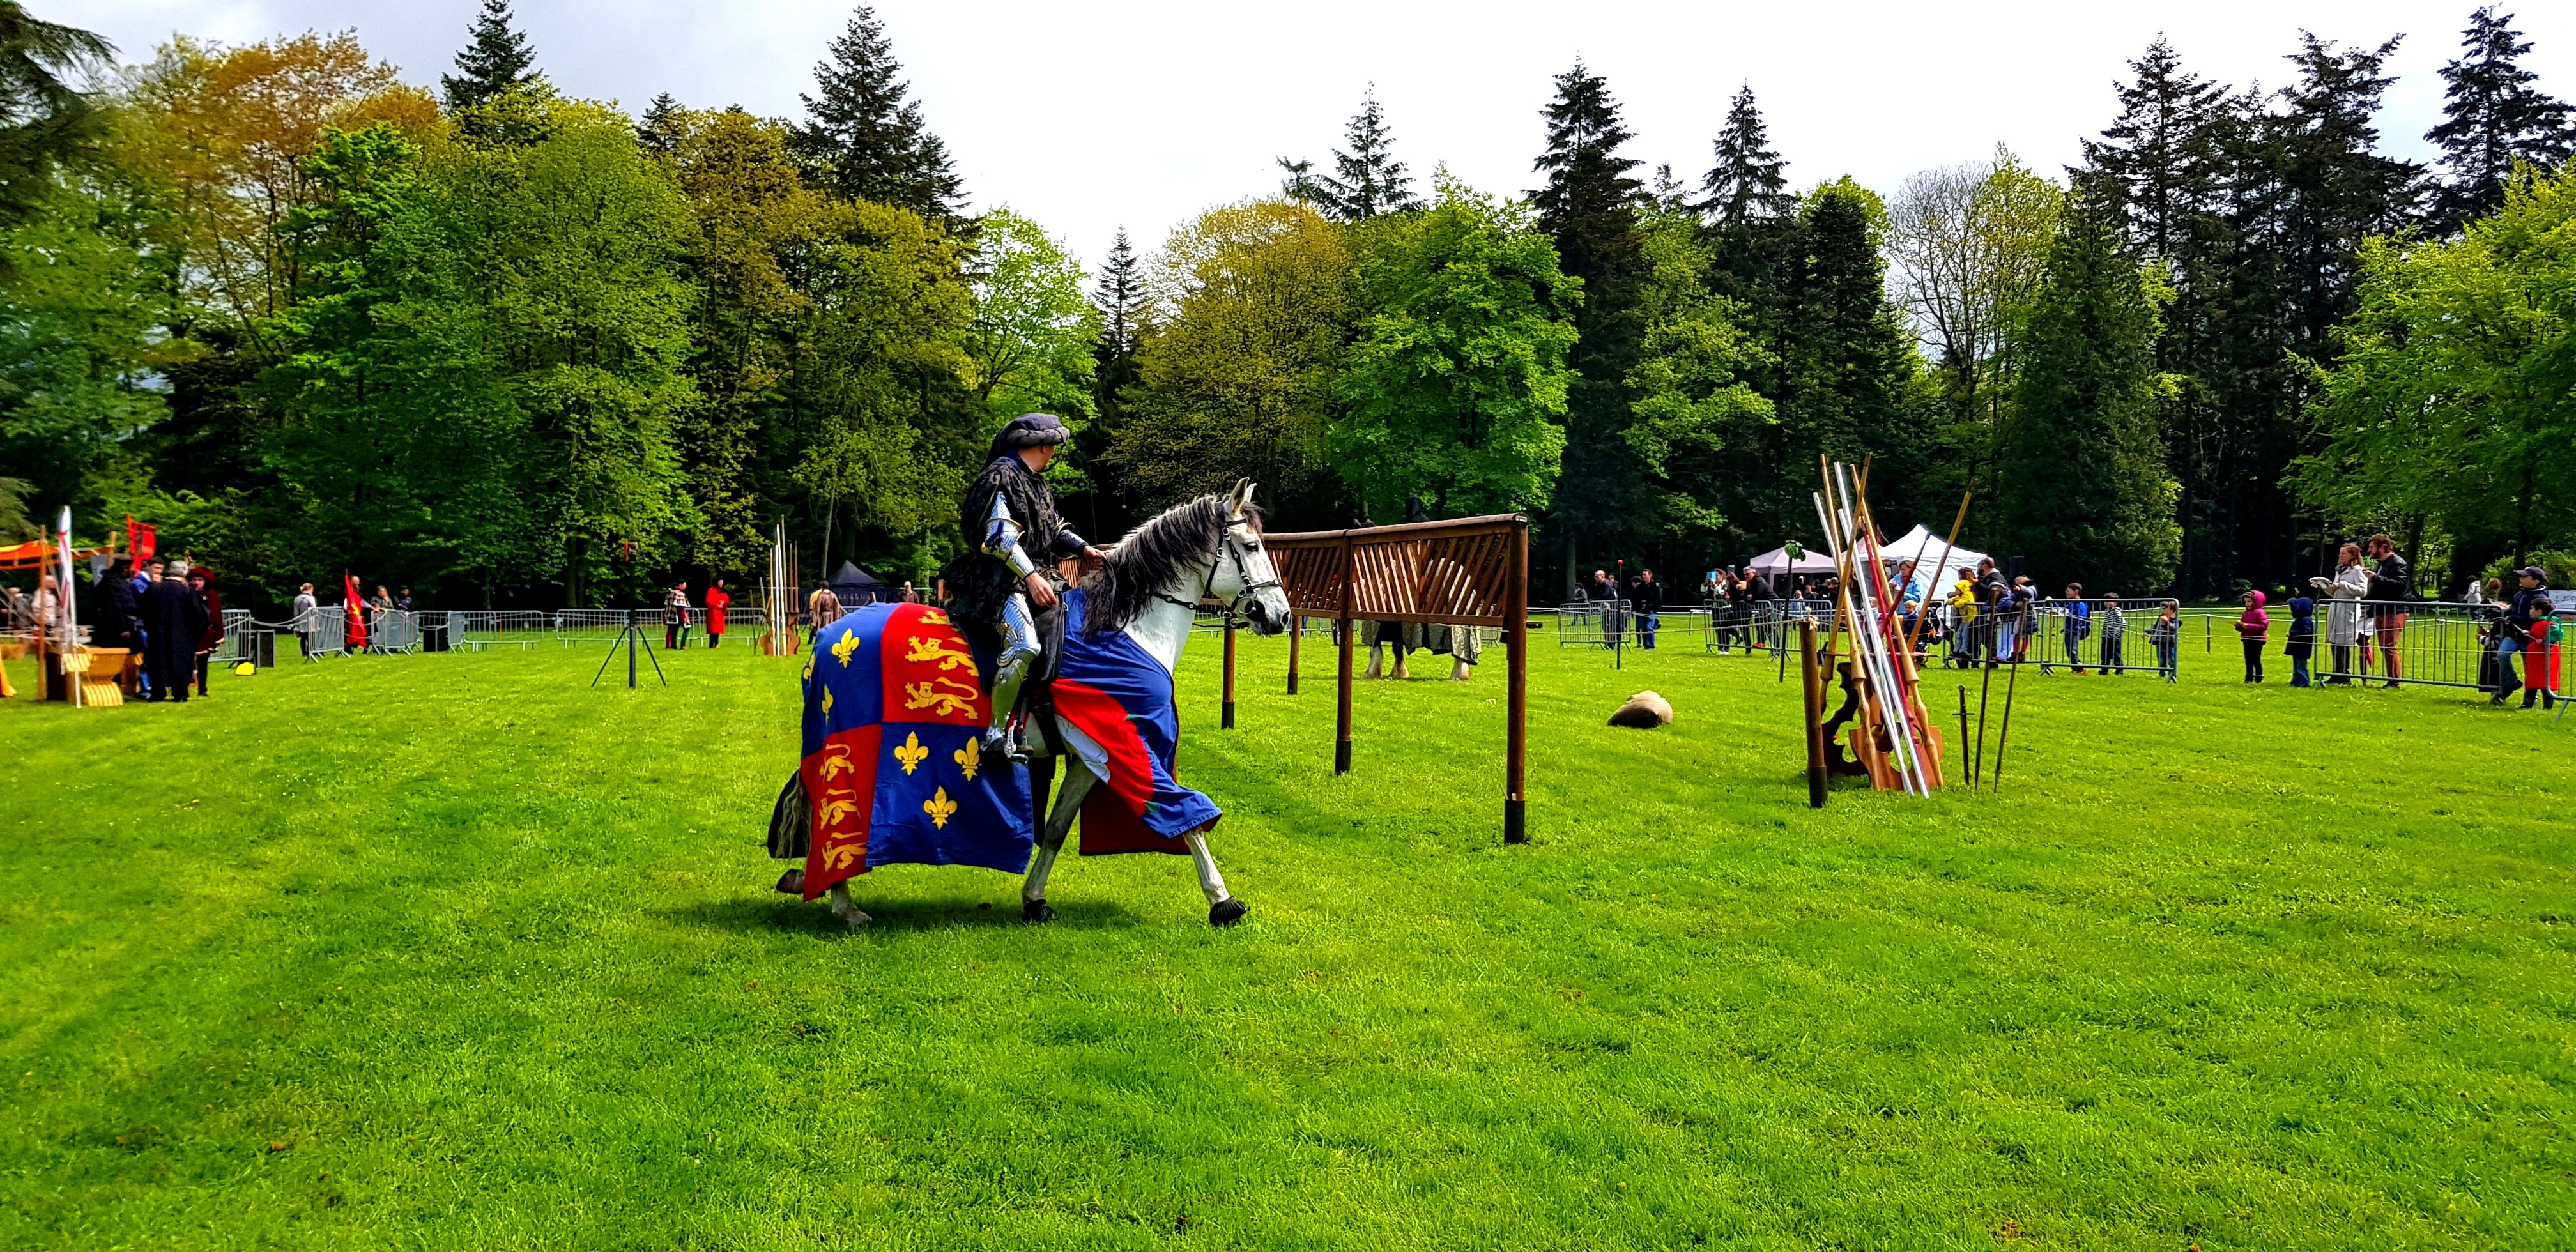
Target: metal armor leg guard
1019, 651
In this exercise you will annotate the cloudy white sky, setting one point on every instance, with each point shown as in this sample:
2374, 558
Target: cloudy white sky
1089, 116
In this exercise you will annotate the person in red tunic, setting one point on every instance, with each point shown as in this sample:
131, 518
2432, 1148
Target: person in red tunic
717, 599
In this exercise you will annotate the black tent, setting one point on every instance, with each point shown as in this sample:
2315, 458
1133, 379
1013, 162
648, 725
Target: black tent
854, 586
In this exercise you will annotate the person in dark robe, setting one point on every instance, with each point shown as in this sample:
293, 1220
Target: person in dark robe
111, 607
202, 581
174, 619
1005, 580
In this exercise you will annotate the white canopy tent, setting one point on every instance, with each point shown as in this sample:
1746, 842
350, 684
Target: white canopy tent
1925, 549
1777, 561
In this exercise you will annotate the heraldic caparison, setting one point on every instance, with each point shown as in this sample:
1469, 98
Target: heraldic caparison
1007, 578
894, 756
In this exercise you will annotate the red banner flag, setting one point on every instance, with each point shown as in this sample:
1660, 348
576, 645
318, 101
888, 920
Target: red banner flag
353, 612
138, 540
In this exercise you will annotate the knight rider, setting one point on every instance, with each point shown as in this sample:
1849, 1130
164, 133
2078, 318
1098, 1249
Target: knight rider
1007, 578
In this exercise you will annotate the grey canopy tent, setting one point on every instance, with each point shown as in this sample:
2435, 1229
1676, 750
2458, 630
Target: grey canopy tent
853, 587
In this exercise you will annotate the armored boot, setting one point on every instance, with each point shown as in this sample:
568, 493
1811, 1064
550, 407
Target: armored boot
1020, 648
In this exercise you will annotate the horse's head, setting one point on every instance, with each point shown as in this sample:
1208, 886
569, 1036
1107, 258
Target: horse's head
1244, 576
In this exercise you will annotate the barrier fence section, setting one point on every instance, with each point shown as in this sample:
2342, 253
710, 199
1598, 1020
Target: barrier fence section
1470, 571
2108, 636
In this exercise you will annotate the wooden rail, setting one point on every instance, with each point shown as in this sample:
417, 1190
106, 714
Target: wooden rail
1468, 571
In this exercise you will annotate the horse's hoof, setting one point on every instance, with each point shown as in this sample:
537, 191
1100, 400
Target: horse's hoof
854, 919
1036, 911
792, 883
1226, 912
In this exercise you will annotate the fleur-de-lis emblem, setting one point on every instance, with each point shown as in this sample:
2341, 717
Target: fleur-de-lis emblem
969, 757
940, 808
809, 669
827, 701
911, 753
841, 651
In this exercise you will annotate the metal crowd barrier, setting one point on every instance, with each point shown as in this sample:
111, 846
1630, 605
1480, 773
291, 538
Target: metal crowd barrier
2113, 636
1591, 623
1768, 627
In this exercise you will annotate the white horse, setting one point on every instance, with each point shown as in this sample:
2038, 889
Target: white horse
1148, 590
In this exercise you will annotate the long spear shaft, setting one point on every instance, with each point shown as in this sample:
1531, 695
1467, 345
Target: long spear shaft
1932, 585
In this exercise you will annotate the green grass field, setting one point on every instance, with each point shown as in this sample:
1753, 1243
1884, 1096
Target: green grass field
456, 952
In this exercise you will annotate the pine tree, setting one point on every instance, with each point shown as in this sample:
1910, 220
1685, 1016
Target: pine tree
1119, 293
497, 60
863, 140
660, 128
1749, 182
1589, 206
2163, 151
1366, 181
2083, 490
1846, 363
2491, 117
44, 121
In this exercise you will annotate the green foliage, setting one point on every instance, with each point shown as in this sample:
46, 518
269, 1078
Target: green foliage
1589, 206
79, 343
45, 123
1237, 366
1456, 383
863, 140
1698, 415
2082, 489
2449, 402
485, 379
1366, 181
1035, 331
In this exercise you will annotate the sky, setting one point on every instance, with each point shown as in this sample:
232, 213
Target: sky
1089, 117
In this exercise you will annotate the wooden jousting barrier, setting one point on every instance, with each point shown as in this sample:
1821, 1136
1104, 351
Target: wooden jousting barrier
1465, 572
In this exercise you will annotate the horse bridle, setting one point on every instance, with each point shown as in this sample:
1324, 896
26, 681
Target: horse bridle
1234, 607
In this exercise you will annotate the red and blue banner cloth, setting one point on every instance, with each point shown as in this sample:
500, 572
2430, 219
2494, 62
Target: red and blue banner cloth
894, 763
1120, 696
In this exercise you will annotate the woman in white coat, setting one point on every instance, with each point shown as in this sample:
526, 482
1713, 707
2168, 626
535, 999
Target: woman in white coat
2343, 617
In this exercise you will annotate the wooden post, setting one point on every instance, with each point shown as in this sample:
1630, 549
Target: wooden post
1296, 629
1516, 699
1811, 684
1349, 628
1226, 718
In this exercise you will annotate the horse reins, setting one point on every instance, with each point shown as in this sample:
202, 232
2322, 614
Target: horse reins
1234, 607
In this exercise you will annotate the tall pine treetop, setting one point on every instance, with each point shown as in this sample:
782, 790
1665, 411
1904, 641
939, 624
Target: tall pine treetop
862, 139
1120, 295
1749, 182
497, 60
1585, 172
1366, 181
2492, 115
2163, 153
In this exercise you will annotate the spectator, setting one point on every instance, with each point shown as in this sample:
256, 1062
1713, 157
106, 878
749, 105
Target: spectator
1606, 591
2526, 621
2165, 633
717, 600
2079, 625
203, 583
402, 600
675, 617
2343, 612
2303, 638
1648, 597
910, 596
2253, 629
1963, 610
2391, 587
174, 619
2115, 627
2007, 612
822, 609
304, 618
112, 621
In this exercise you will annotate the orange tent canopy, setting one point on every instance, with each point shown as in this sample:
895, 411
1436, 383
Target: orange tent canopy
36, 554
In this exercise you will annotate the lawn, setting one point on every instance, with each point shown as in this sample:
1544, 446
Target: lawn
457, 952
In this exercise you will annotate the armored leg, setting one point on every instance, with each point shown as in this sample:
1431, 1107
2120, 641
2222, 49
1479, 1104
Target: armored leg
1019, 652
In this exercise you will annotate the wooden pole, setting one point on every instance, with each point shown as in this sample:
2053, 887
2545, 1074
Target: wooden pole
1811, 687
1342, 714
1932, 587
1296, 631
1516, 699
1985, 692
1963, 728
2004, 733
1226, 718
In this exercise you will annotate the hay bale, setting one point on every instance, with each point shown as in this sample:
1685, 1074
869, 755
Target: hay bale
1644, 711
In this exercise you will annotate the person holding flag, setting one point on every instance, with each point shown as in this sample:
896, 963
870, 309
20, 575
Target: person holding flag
353, 608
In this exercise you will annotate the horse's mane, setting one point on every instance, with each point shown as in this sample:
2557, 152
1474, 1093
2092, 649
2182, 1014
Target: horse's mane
1147, 559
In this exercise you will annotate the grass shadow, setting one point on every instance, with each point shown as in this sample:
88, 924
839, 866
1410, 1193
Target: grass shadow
782, 913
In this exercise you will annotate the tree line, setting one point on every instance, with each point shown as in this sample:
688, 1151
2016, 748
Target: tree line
509, 347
